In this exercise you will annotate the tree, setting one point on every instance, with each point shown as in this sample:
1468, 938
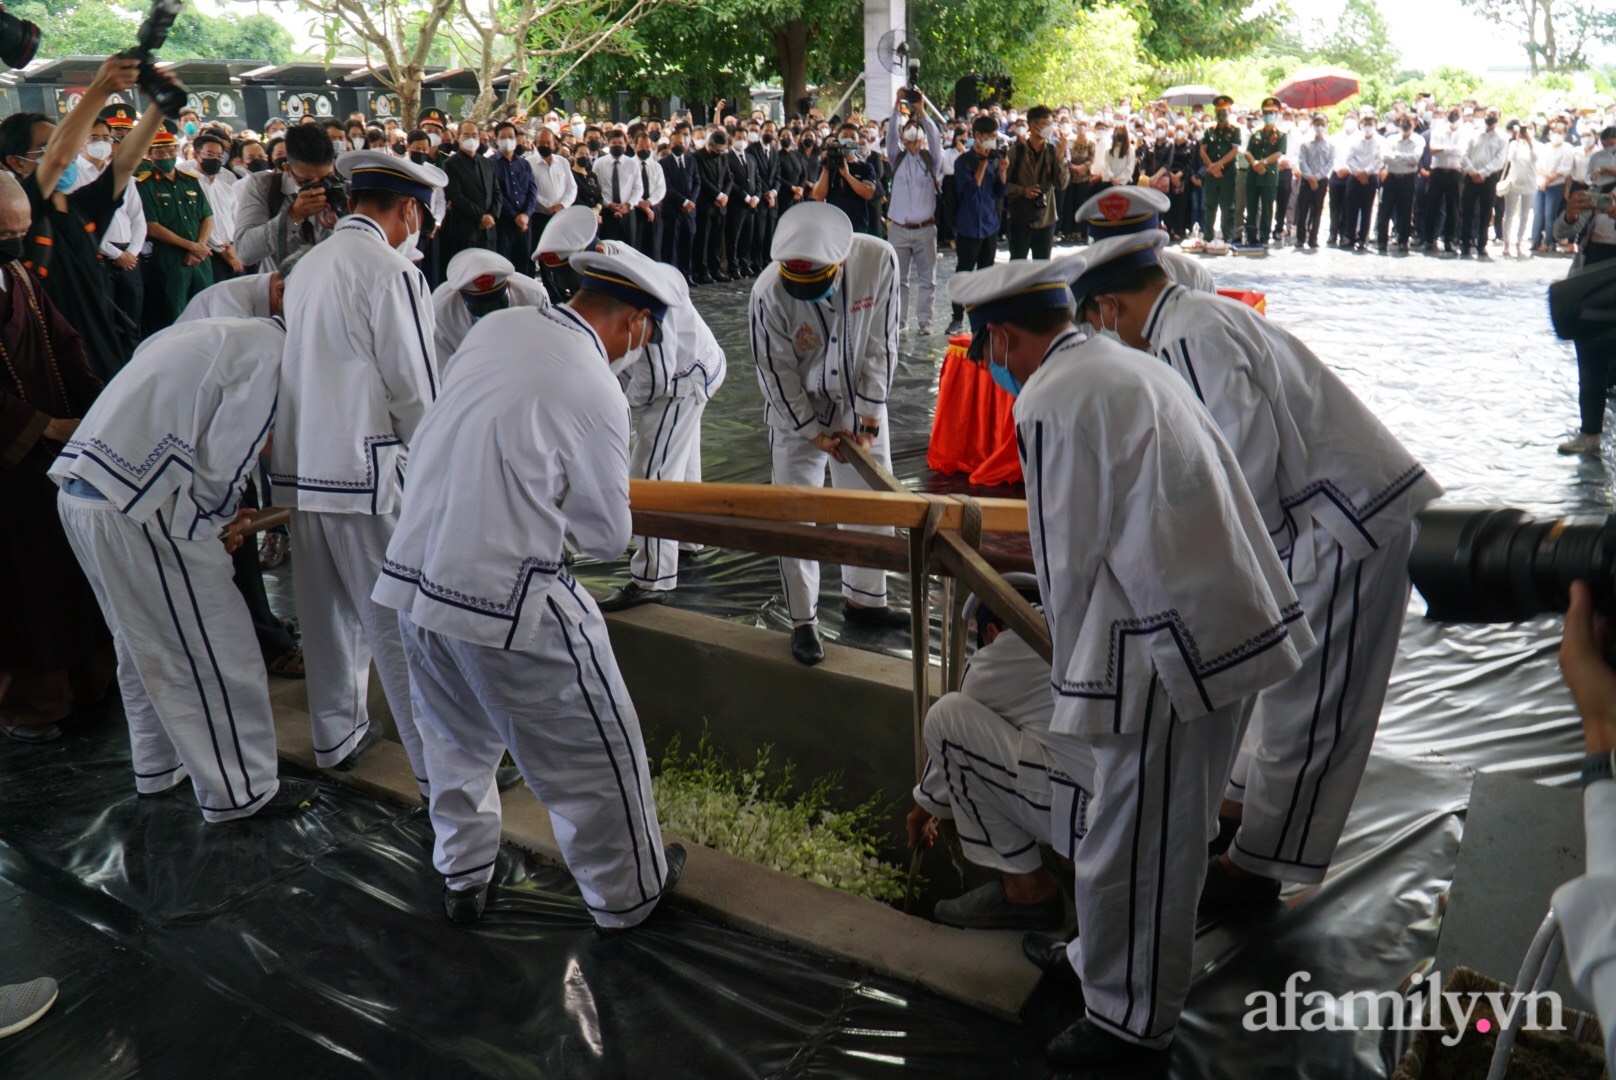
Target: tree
97, 28
1554, 33
520, 34
1178, 31
396, 37
1095, 58
1361, 41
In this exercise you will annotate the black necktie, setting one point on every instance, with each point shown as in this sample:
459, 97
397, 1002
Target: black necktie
617, 189
645, 183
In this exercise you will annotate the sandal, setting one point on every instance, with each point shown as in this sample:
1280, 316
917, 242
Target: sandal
288, 665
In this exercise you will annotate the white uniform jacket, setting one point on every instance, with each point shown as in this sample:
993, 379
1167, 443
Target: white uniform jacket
178, 429
1311, 452
816, 359
1187, 272
524, 455
453, 322
687, 362
245, 297
359, 372
1146, 542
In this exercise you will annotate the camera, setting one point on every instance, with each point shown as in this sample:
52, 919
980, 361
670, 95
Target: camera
832, 154
1602, 200
166, 92
336, 194
19, 39
1493, 564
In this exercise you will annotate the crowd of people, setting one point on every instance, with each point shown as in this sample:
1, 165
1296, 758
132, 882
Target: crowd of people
192, 318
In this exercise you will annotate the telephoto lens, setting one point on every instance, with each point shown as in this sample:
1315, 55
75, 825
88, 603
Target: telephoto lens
1485, 565
19, 39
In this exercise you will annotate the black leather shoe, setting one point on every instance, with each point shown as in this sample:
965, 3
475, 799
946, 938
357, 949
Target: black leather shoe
1086, 1043
1049, 956
1223, 892
875, 618
722, 277
293, 796
1227, 827
372, 736
806, 648
507, 777
675, 856
466, 905
631, 595
701, 279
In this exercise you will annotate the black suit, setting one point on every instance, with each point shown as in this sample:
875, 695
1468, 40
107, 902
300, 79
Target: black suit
793, 173
679, 226
767, 161
713, 172
738, 221
472, 191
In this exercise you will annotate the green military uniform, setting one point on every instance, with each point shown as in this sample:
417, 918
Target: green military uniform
177, 202
1218, 141
1263, 188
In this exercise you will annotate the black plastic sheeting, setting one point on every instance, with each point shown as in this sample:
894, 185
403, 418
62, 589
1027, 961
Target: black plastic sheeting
316, 947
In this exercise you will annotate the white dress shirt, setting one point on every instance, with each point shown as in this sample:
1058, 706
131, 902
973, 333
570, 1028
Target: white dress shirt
554, 178
1364, 154
222, 198
1553, 163
1401, 157
1487, 153
1447, 146
626, 170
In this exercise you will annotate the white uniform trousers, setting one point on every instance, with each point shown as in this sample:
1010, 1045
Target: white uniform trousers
917, 254
1003, 791
192, 679
1302, 759
667, 446
339, 557
1140, 867
795, 460
562, 711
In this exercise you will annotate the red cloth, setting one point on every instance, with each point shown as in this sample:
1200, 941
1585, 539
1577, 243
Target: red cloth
974, 431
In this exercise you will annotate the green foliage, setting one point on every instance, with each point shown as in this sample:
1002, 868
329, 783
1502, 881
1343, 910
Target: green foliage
1361, 40
99, 27
1179, 31
1095, 57
755, 814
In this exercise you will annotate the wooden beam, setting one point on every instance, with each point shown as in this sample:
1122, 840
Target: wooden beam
794, 541
828, 506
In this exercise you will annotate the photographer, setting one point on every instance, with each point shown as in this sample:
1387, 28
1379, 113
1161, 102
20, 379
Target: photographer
915, 150
278, 212
1586, 905
1037, 176
845, 181
979, 184
1594, 232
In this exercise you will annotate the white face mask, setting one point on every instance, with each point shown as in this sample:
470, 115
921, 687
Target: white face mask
433, 139
698, 142
507, 146
752, 136
577, 131
470, 145
912, 134
407, 246
340, 145
1556, 139
98, 151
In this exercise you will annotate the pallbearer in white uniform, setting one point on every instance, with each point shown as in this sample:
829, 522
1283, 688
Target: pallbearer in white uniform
359, 372
997, 772
525, 455
1128, 209
1339, 495
824, 320
477, 282
668, 384
149, 479
1168, 610
250, 296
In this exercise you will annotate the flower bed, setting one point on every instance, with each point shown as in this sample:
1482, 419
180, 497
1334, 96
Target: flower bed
750, 813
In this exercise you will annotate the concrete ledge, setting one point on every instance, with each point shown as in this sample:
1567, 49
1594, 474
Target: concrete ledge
982, 969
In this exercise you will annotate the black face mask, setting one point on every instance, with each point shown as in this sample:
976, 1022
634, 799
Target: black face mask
678, 151
593, 145
11, 250
546, 152
1407, 127
210, 166
617, 151
401, 149
643, 155
768, 140
1492, 121
418, 157
259, 166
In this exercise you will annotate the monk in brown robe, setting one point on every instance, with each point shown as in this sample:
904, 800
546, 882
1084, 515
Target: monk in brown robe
53, 643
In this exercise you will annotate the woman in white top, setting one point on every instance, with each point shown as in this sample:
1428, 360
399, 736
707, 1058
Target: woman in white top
1553, 166
1116, 166
1578, 180
1519, 186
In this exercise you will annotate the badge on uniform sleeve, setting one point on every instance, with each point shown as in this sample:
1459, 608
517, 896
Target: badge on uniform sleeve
806, 339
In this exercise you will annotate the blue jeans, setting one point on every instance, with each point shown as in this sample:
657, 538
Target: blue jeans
1547, 206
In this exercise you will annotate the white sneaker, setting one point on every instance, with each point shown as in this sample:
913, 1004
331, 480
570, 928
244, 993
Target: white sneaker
1582, 444
23, 1003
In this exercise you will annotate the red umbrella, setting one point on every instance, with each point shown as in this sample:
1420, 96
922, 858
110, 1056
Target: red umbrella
1318, 88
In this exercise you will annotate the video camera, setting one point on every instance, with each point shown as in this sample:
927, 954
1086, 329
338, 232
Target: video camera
166, 92
19, 39
1502, 565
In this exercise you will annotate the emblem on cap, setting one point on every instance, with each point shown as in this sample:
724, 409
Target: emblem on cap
1115, 207
798, 266
484, 282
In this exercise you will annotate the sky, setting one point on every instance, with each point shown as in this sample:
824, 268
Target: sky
1430, 33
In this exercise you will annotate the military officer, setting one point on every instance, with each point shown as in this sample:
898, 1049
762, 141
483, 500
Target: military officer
178, 221
1219, 148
